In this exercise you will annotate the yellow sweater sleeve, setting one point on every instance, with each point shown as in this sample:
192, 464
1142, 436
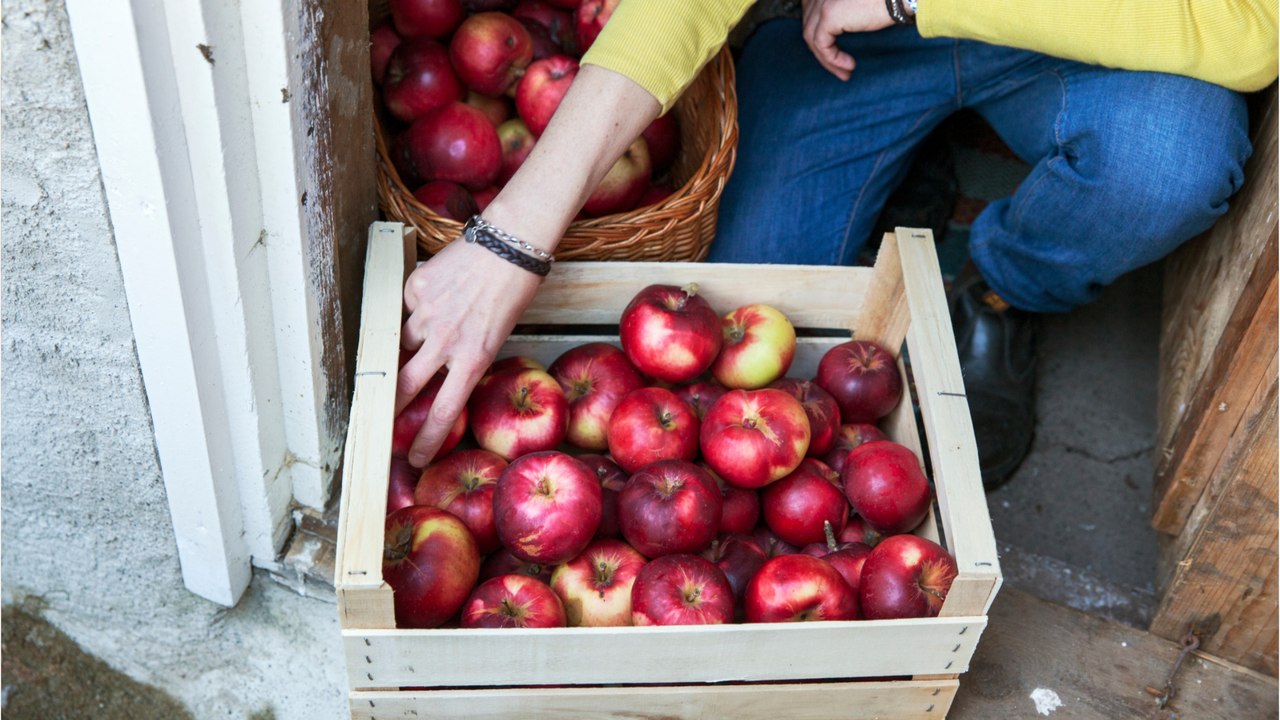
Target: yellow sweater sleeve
662, 44
1227, 42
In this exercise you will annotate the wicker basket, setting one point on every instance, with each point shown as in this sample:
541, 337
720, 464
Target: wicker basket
679, 228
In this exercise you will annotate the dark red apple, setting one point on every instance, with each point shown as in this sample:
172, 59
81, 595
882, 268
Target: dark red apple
463, 484
557, 21
595, 377
663, 138
741, 510
543, 86
754, 437
431, 562
612, 480
419, 79
409, 422
670, 507
797, 506
403, 479
799, 588
547, 507
886, 486
383, 41
772, 545
489, 51
651, 424
906, 576
503, 562
654, 194
497, 109
670, 333
544, 46
700, 395
846, 557
479, 6
485, 196
447, 199
739, 557
513, 601
456, 143
821, 409
518, 412
681, 590
590, 20
849, 437
864, 379
858, 531
595, 586
622, 186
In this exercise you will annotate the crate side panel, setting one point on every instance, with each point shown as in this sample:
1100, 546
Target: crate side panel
546, 348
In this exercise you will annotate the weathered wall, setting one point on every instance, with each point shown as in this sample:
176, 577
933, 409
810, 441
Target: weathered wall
85, 522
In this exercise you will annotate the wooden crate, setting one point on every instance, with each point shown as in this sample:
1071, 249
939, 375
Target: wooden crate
861, 669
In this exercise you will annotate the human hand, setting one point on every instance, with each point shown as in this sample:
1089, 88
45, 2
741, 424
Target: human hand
463, 303
826, 20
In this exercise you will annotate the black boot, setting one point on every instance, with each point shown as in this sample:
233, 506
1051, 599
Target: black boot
998, 360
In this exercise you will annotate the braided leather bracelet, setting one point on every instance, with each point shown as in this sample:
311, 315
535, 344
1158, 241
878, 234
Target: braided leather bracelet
898, 13
484, 237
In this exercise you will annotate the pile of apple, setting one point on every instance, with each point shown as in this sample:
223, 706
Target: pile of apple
472, 84
800, 508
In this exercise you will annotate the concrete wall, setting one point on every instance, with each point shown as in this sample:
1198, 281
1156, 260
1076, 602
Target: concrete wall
86, 528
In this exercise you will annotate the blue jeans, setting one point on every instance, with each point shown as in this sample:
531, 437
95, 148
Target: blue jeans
1126, 165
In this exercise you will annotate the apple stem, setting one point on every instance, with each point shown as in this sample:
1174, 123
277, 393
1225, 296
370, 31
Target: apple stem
691, 289
830, 532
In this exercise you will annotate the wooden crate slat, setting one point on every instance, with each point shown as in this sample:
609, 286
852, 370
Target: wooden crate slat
908, 700
602, 656
884, 315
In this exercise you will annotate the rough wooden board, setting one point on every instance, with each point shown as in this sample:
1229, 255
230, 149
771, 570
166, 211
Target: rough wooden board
1097, 668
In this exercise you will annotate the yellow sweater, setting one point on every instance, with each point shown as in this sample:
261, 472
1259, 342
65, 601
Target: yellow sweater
661, 44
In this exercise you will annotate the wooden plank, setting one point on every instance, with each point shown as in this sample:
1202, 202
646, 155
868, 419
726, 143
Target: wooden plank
885, 315
546, 348
814, 701
719, 653
1097, 668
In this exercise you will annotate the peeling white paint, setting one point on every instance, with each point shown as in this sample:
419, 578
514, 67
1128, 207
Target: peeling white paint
1046, 701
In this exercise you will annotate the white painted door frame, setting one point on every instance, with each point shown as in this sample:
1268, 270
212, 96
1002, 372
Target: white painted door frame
189, 103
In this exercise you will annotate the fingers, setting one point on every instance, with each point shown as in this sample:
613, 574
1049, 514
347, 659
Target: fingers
831, 57
445, 409
415, 375
823, 23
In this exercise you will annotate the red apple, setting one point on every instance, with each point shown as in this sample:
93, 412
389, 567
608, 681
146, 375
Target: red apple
797, 506
489, 51
612, 480
543, 86
906, 576
426, 18
485, 196
595, 377
455, 143
409, 422
670, 333
590, 19
431, 562
518, 412
544, 46
447, 199
754, 437
419, 79
564, 4
741, 510
400, 484
668, 507
383, 41
547, 507
463, 484
759, 343
622, 186
497, 109
846, 557
595, 586
820, 408
772, 545
681, 590
858, 531
663, 138
513, 601
654, 194
739, 557
699, 395
651, 424
503, 562
479, 6
515, 362
864, 379
799, 588
517, 142
557, 21
886, 486
849, 437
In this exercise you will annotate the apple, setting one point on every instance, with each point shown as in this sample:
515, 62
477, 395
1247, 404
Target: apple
564, 4
543, 86
864, 379
489, 51
407, 424
663, 138
544, 46
557, 21
821, 409
850, 436
595, 586
431, 562
885, 485
418, 79
699, 395
759, 343
463, 484
651, 424
798, 588
797, 506
669, 507
456, 143
681, 590
400, 484
754, 437
513, 601
670, 333
479, 6
515, 362
612, 480
590, 20
595, 377
497, 109
654, 194
906, 576
772, 545
547, 507
426, 18
517, 142
518, 412
739, 557
447, 199
485, 196
741, 510
503, 562
846, 557
858, 531
383, 41
622, 186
